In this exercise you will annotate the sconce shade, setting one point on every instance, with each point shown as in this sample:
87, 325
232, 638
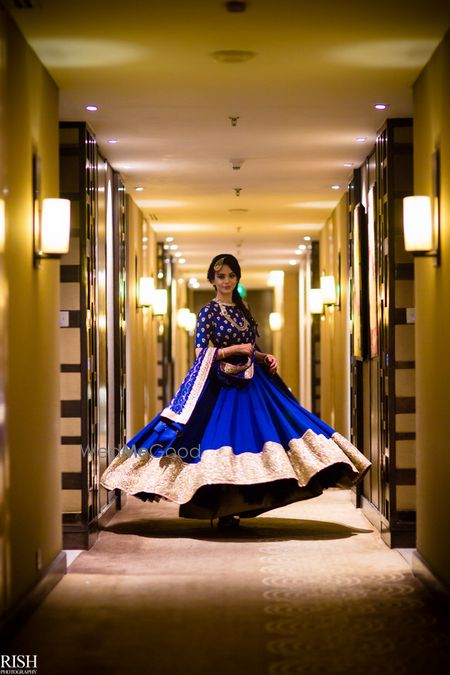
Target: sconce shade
418, 223
159, 302
146, 290
275, 321
54, 235
315, 301
190, 322
328, 288
182, 316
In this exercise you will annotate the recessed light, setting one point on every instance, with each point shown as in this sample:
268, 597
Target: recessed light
307, 238
298, 252
181, 261
144, 238
139, 188
335, 187
233, 55
292, 262
348, 165
169, 239
166, 247
92, 108
112, 141
302, 247
178, 254
381, 106
160, 275
361, 139
173, 247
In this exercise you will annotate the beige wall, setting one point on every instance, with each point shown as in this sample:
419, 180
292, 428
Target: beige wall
334, 335
289, 366
432, 287
32, 392
141, 328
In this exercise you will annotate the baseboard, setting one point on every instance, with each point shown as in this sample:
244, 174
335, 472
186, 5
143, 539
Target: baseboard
425, 574
15, 617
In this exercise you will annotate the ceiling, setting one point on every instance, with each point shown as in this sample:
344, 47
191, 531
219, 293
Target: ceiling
302, 99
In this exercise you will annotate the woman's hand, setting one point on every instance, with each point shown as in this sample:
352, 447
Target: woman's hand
246, 348
271, 363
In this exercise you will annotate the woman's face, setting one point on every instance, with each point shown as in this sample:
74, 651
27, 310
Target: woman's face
225, 280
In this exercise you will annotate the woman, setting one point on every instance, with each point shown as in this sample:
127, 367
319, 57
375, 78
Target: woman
233, 442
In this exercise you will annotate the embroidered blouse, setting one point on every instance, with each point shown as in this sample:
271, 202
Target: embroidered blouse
220, 325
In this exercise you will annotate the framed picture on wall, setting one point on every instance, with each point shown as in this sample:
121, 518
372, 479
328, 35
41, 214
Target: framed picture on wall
372, 274
359, 243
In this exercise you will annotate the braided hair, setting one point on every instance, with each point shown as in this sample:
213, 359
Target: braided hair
227, 259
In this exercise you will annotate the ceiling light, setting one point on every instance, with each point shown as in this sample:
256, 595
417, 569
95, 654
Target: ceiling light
173, 247
348, 165
112, 141
139, 188
381, 106
335, 187
236, 6
92, 108
299, 251
181, 261
302, 247
292, 262
232, 55
169, 239
307, 238
361, 139
178, 254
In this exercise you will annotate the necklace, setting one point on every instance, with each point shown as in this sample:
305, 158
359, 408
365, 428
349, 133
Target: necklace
223, 310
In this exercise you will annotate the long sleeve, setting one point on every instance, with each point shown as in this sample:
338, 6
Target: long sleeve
204, 328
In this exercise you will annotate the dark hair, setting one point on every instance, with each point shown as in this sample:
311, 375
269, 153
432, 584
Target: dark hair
233, 264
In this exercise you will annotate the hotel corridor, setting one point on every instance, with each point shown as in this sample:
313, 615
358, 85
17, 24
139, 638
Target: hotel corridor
309, 588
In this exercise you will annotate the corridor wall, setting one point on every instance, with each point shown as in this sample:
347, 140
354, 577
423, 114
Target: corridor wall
33, 540
141, 327
334, 341
432, 288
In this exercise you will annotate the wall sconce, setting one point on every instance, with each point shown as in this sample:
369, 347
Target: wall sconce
328, 288
190, 323
421, 219
315, 301
182, 316
146, 288
51, 230
275, 321
159, 302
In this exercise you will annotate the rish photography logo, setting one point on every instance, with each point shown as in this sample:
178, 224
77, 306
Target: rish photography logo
18, 664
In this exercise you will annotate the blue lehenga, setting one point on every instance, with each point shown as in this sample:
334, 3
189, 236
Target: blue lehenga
234, 439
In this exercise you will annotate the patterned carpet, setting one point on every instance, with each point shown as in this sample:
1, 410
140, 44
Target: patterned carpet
309, 588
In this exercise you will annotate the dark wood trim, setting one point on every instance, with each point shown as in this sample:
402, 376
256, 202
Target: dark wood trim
70, 368
69, 273
404, 271
70, 440
16, 616
70, 408
71, 480
405, 405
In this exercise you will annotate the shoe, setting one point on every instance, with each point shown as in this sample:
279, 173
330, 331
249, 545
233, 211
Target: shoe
228, 522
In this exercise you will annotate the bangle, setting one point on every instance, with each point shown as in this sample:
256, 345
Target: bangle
222, 355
